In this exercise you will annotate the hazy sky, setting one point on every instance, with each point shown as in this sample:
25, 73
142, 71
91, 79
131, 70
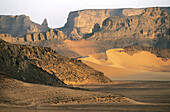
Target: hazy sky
56, 11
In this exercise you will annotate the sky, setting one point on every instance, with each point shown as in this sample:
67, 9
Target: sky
56, 11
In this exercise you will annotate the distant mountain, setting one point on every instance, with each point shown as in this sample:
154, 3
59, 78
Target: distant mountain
105, 28
82, 22
20, 25
151, 28
43, 66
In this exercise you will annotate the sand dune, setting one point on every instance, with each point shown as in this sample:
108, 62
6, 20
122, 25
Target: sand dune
118, 65
140, 61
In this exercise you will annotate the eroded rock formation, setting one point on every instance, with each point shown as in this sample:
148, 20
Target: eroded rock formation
83, 21
150, 28
34, 37
18, 26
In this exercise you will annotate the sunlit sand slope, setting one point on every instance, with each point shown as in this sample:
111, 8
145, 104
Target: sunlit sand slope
116, 64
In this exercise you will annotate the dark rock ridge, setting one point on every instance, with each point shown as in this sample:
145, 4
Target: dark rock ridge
82, 22
16, 64
34, 37
18, 26
159, 52
150, 28
44, 66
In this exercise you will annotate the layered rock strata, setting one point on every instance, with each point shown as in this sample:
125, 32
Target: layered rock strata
20, 25
34, 37
83, 21
150, 28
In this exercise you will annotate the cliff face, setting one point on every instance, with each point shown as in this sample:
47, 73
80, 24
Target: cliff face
18, 26
152, 26
83, 21
44, 66
35, 37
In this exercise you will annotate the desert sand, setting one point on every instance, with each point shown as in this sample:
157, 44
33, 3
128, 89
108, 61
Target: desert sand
156, 96
18, 93
118, 65
82, 47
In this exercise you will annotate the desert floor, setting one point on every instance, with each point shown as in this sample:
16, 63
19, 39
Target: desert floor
154, 94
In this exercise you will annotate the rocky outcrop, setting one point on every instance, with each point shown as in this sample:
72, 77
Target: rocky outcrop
45, 24
148, 28
18, 26
43, 65
52, 34
15, 63
83, 21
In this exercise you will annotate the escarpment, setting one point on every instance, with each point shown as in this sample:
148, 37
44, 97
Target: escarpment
82, 22
44, 66
20, 25
150, 28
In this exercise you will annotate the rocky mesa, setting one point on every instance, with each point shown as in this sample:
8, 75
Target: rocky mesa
84, 21
151, 28
20, 25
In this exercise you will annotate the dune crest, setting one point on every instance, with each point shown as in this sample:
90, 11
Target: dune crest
117, 64
139, 61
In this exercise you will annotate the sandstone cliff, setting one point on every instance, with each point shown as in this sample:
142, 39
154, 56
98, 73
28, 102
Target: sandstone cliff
35, 37
18, 26
83, 21
36, 64
150, 28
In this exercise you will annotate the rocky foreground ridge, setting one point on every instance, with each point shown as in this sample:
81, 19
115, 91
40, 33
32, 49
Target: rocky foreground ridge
44, 66
20, 25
